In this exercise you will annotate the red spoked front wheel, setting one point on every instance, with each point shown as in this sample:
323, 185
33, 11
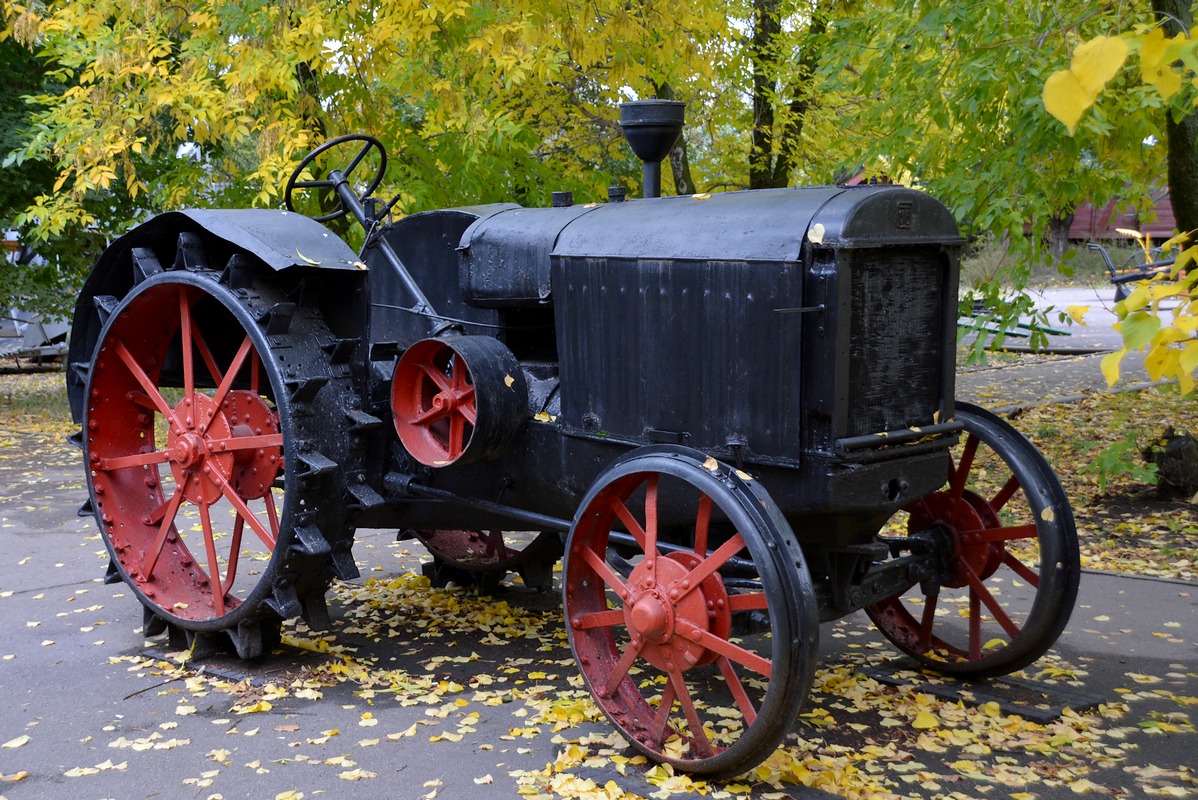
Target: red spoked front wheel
695, 623
1002, 536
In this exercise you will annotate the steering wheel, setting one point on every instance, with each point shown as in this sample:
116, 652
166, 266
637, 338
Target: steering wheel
368, 143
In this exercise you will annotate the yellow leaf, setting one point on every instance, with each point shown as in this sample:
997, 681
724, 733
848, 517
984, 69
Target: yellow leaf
305, 259
1155, 68
17, 742
1068, 93
1066, 98
356, 775
925, 720
1084, 786
1097, 61
1110, 366
1077, 313
484, 780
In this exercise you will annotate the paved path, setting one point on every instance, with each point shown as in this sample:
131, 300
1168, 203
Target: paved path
1074, 366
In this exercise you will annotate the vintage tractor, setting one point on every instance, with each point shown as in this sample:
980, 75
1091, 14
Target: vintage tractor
733, 414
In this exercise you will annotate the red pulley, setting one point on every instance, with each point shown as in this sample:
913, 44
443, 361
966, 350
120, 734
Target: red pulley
458, 400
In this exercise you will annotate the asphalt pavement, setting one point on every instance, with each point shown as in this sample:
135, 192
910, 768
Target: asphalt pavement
446, 696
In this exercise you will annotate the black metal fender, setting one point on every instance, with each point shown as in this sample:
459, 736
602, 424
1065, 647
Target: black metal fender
279, 240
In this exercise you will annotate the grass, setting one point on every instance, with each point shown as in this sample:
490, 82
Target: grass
1082, 266
35, 401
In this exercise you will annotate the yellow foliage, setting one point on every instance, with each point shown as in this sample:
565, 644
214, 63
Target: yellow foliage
1170, 342
1157, 54
1068, 93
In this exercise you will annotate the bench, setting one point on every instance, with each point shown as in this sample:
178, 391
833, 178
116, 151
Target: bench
1139, 266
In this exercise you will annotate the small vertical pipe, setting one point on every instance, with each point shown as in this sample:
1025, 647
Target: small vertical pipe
652, 179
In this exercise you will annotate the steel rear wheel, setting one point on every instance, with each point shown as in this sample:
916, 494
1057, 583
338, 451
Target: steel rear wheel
695, 668
199, 471
1003, 535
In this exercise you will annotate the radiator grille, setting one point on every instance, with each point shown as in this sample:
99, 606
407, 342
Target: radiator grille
897, 338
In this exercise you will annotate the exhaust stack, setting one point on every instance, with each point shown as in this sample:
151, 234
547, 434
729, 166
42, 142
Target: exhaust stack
651, 128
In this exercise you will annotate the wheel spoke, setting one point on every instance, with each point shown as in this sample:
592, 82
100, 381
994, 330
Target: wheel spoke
712, 563
1005, 534
496, 547
135, 460
661, 720
748, 602
465, 407
604, 572
979, 590
1005, 493
702, 523
599, 619
214, 581
975, 625
630, 522
650, 543
761, 666
698, 735
255, 369
272, 514
356, 160
205, 352
960, 476
927, 621
436, 376
234, 443
189, 381
457, 436
168, 521
226, 384
231, 495
620, 670
426, 418
234, 554
147, 385
1021, 569
738, 690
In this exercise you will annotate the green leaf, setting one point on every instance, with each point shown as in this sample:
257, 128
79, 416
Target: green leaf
1138, 329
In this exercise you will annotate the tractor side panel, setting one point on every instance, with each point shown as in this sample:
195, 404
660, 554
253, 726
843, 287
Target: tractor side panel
684, 352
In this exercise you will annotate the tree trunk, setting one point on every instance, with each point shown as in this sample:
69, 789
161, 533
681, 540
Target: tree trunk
1181, 136
680, 165
767, 25
772, 154
1058, 233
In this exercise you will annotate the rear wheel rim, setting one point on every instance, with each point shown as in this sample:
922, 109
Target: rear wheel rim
183, 477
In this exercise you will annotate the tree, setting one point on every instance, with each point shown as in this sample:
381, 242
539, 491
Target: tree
44, 283
1181, 127
948, 93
